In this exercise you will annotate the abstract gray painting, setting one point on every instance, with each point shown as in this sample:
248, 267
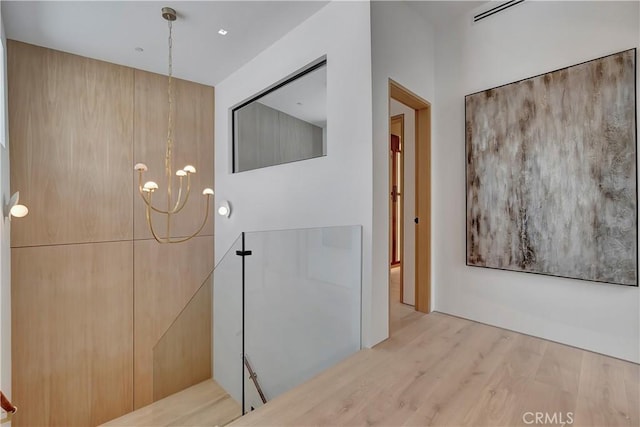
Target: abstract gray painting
551, 173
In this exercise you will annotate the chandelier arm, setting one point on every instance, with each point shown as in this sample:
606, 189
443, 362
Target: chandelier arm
175, 208
148, 203
186, 197
150, 223
204, 222
144, 198
140, 187
169, 226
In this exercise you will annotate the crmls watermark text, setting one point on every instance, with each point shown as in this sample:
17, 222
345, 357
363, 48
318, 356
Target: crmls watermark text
548, 418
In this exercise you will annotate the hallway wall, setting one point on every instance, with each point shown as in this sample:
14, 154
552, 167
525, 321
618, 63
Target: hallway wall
529, 39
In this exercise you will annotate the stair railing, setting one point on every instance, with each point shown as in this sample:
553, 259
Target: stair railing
254, 377
7, 407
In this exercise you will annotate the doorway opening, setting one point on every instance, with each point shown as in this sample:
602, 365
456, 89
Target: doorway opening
396, 183
409, 205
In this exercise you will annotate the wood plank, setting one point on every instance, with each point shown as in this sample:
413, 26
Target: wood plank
436, 324
631, 372
197, 399
71, 155
552, 401
193, 122
560, 367
166, 278
457, 379
602, 396
218, 413
72, 333
182, 357
499, 397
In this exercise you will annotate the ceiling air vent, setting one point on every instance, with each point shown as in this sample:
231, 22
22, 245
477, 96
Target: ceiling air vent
497, 9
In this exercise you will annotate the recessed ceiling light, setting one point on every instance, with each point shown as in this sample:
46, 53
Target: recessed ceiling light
222, 32
139, 49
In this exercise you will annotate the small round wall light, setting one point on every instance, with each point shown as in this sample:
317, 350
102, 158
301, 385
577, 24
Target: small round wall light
224, 209
14, 209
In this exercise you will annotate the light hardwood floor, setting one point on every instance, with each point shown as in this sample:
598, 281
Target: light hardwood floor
447, 371
204, 404
435, 370
400, 314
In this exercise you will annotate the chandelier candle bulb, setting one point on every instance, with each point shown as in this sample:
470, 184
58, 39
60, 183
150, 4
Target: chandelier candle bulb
174, 204
150, 186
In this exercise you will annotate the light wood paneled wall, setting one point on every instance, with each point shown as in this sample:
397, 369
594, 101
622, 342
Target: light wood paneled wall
193, 145
82, 350
71, 153
166, 277
72, 337
182, 357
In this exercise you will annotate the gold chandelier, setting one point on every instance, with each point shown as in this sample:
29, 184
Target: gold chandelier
147, 189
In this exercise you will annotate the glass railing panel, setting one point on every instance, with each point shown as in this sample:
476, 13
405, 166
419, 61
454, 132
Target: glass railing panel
182, 357
189, 350
227, 322
302, 306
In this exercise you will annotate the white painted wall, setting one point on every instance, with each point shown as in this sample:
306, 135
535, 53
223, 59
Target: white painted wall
330, 190
5, 253
402, 48
409, 193
532, 38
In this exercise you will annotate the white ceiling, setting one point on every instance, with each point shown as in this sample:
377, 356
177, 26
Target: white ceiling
439, 13
111, 30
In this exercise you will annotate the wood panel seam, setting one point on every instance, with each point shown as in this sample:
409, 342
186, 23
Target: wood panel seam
99, 241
